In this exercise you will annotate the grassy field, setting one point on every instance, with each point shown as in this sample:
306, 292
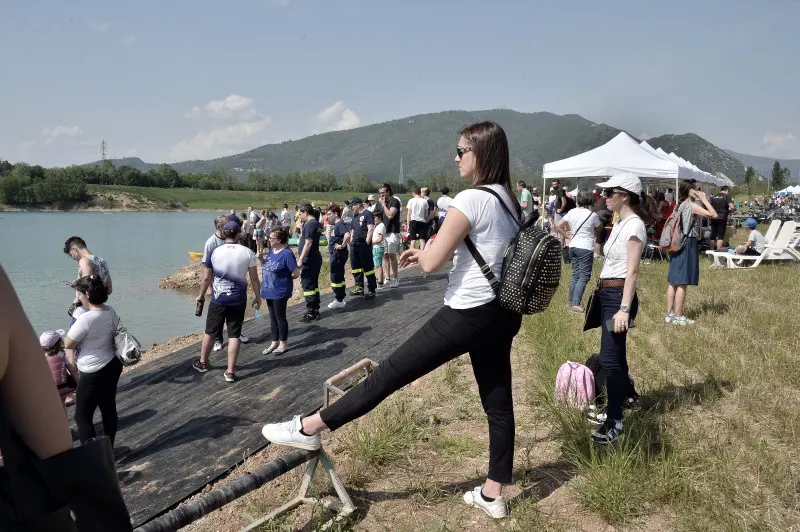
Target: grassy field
189, 198
712, 445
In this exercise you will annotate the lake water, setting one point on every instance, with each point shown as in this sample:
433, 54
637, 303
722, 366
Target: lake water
140, 247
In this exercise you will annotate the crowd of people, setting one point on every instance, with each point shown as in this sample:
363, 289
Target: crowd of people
369, 234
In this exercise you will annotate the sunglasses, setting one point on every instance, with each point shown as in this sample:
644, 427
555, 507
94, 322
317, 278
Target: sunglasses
461, 151
608, 192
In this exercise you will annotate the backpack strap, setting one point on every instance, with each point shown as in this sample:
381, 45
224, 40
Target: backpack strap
486, 270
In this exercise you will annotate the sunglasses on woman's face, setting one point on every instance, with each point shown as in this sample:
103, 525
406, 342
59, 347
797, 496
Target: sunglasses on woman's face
461, 151
608, 192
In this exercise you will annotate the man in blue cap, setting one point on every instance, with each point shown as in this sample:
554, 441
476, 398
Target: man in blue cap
310, 261
361, 257
230, 265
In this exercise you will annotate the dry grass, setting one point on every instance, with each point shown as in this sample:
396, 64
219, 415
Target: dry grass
712, 446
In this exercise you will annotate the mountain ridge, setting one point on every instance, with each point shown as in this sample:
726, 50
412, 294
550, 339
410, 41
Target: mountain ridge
426, 143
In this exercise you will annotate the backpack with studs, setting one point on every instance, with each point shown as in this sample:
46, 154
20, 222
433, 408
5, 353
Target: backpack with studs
531, 265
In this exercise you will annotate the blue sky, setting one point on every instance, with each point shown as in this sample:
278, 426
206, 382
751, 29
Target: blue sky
176, 80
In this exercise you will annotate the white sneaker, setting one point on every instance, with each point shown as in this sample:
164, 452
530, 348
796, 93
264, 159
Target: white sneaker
682, 320
337, 304
288, 433
244, 339
217, 346
496, 509
394, 283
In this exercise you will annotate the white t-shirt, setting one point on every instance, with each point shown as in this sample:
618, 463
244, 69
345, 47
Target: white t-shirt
443, 204
585, 221
759, 243
230, 264
94, 332
286, 218
616, 247
380, 229
418, 208
492, 230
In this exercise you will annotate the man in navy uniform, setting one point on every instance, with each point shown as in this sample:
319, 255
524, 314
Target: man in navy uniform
338, 240
361, 257
311, 261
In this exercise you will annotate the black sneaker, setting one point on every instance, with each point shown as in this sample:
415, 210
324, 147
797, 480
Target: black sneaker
608, 432
202, 367
317, 315
308, 317
357, 291
230, 377
369, 295
631, 402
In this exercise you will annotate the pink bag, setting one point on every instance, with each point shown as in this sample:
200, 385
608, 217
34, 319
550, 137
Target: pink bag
575, 385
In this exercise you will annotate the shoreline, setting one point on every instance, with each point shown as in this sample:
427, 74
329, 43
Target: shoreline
9, 209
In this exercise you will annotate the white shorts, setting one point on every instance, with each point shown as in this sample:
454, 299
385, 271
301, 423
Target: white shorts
393, 245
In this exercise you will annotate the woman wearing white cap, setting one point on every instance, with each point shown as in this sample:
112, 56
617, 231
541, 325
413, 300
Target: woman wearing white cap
617, 294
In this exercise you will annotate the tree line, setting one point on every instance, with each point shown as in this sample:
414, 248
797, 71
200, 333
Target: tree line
24, 184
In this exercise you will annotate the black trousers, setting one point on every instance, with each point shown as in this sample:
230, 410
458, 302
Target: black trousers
338, 261
279, 325
485, 332
613, 352
309, 279
362, 265
98, 389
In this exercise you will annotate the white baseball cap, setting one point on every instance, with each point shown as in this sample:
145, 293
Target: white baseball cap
625, 180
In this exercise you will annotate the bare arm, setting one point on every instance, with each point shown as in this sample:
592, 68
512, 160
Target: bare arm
253, 271
346, 239
306, 250
32, 403
296, 273
439, 251
707, 211
561, 226
205, 282
84, 267
370, 228
634, 258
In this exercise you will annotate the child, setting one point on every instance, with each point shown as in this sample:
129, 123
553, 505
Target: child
378, 247
756, 244
53, 346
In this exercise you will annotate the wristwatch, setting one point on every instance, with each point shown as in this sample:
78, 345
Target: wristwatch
625, 308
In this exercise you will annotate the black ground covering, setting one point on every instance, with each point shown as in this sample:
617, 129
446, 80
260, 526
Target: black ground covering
180, 430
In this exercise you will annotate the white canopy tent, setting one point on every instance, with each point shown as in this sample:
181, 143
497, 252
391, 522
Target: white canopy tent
621, 154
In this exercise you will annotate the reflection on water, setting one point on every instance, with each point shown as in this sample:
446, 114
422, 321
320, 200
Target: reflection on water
141, 248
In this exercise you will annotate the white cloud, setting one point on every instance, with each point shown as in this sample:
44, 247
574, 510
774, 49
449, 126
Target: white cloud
337, 117
99, 25
234, 106
62, 131
221, 141
781, 144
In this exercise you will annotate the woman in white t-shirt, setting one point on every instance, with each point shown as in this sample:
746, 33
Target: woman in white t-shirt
93, 336
582, 224
442, 204
617, 295
471, 320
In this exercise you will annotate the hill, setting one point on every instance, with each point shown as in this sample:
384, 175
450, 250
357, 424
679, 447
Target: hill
426, 143
135, 162
702, 154
763, 165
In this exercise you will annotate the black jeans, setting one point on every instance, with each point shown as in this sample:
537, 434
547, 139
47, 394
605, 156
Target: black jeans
485, 332
613, 355
279, 325
98, 389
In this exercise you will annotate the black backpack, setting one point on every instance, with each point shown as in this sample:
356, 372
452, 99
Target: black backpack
531, 266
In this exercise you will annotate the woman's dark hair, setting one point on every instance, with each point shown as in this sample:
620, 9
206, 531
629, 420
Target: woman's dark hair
335, 209
445, 191
646, 207
683, 190
377, 214
93, 287
585, 198
281, 234
490, 147
660, 197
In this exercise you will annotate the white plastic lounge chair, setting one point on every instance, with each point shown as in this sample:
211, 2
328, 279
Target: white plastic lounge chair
781, 249
772, 231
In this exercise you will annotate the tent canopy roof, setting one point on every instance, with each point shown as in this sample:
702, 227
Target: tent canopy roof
623, 154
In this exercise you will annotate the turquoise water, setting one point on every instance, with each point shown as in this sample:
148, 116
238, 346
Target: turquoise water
140, 248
